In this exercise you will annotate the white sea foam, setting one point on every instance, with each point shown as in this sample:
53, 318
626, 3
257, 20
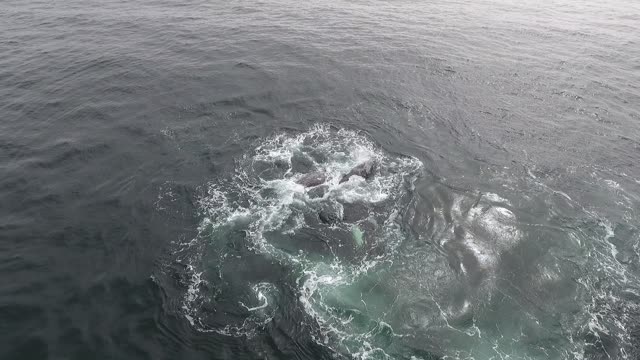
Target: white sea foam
264, 196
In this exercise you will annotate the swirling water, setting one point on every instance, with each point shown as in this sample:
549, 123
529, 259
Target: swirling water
150, 152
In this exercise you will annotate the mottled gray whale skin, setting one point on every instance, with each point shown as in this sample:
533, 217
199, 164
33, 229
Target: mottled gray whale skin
329, 217
312, 179
365, 170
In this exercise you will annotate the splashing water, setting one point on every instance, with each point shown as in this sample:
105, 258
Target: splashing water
397, 272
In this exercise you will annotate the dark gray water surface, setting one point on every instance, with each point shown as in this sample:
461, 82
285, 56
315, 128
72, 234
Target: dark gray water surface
149, 152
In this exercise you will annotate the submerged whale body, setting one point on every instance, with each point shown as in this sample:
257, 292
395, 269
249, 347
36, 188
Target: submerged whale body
329, 217
364, 170
315, 178
290, 212
312, 179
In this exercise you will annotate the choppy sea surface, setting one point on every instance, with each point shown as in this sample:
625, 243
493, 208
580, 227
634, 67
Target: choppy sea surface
151, 153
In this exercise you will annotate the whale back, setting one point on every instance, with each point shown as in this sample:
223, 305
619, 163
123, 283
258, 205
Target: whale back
312, 179
364, 170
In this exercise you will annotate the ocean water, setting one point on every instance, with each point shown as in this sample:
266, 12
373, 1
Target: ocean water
151, 153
